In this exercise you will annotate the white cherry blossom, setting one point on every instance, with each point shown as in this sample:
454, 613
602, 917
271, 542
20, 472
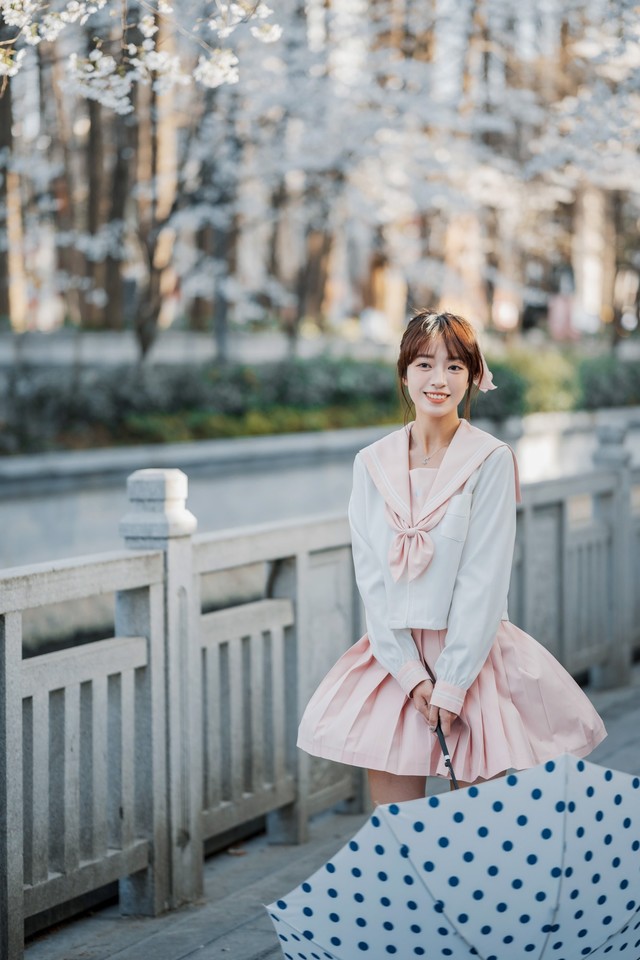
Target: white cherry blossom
10, 62
221, 67
111, 77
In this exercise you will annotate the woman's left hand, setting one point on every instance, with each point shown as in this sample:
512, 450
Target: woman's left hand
446, 719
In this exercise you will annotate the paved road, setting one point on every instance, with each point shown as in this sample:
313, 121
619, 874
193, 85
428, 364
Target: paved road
230, 921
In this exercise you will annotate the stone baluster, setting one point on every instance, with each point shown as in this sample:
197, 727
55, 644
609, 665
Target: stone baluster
11, 834
611, 454
158, 519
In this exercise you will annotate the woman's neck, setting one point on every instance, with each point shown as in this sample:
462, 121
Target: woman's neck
430, 434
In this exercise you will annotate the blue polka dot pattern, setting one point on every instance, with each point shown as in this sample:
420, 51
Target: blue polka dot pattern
543, 860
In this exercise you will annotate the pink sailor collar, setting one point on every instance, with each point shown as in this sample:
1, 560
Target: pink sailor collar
387, 461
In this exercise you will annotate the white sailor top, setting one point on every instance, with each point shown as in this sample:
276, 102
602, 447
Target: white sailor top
449, 567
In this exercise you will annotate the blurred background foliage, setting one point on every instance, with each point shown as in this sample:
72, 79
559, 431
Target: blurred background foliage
46, 410
368, 159
481, 155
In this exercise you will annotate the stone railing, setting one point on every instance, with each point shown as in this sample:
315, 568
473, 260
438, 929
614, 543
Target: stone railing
123, 758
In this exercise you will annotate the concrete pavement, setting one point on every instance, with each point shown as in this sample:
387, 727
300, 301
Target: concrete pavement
230, 921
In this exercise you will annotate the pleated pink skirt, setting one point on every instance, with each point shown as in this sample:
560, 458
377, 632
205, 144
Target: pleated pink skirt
522, 709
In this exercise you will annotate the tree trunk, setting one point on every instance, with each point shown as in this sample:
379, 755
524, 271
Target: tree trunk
278, 203
70, 260
6, 146
224, 248
96, 317
373, 292
200, 311
123, 180
120, 186
147, 302
156, 169
225, 238
316, 271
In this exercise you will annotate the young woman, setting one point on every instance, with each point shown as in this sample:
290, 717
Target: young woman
433, 520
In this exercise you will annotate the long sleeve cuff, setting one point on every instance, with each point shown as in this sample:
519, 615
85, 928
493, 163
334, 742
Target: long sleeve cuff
410, 675
447, 696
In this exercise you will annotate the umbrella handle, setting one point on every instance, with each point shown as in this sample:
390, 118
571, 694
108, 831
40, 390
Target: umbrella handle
440, 736
445, 754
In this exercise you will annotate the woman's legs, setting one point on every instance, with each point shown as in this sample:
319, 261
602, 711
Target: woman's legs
390, 788
461, 783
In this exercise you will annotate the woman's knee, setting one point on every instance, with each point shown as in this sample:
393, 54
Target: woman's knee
387, 787
473, 783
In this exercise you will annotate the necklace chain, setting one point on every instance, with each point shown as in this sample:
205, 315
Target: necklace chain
432, 455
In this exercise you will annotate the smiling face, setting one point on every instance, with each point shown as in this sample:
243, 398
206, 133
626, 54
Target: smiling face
435, 381
439, 354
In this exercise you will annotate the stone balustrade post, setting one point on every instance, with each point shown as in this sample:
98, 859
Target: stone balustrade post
158, 519
11, 833
290, 824
611, 454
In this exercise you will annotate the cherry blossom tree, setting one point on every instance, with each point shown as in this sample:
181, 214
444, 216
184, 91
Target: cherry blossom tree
439, 149
137, 52
126, 50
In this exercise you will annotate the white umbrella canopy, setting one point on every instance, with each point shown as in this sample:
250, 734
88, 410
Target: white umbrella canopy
540, 864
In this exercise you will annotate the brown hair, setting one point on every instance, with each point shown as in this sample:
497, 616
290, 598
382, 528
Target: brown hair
459, 339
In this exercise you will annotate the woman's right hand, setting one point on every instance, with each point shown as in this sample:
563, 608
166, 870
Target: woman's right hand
421, 695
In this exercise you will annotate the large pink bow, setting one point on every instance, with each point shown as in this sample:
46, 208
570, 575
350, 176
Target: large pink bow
412, 547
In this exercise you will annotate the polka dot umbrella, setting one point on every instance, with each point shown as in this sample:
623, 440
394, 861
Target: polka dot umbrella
543, 863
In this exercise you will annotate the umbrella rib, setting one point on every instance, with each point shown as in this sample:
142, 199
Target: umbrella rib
563, 861
400, 841
613, 933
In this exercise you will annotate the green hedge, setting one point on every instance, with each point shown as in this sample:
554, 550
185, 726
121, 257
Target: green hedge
605, 382
550, 377
508, 400
203, 425
46, 410
52, 410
